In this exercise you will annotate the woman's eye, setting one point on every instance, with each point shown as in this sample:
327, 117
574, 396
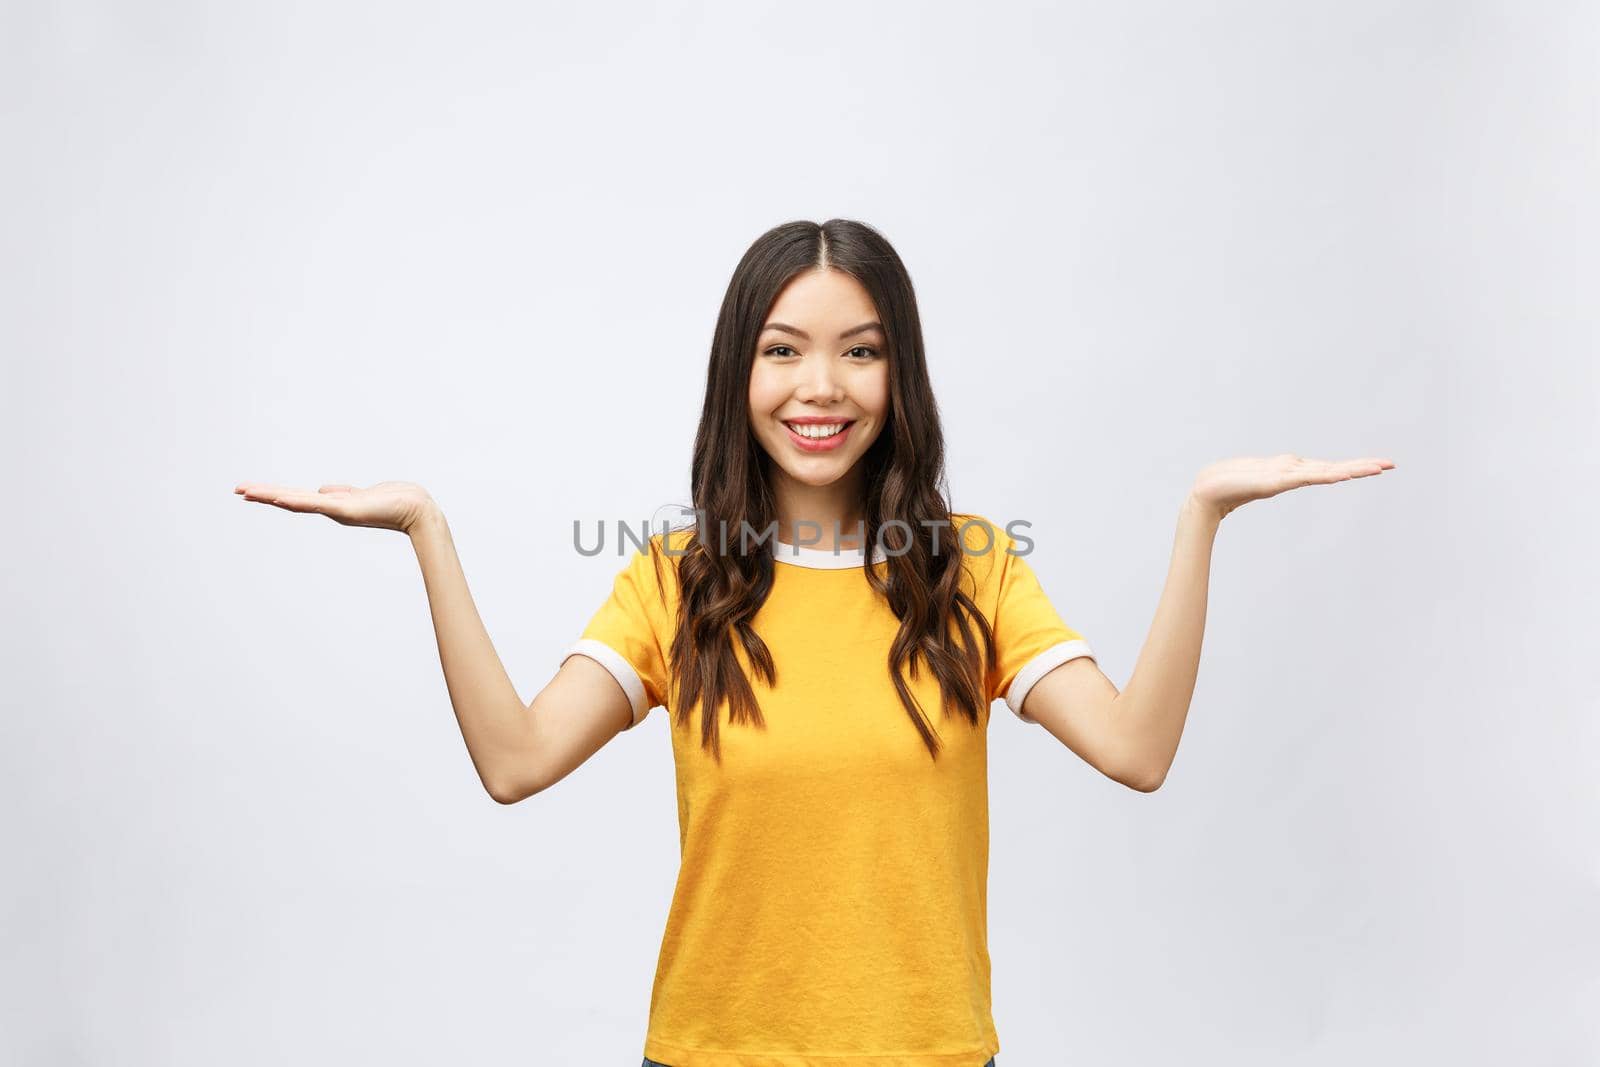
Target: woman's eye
858, 352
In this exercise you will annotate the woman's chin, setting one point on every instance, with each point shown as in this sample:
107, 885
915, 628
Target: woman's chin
816, 474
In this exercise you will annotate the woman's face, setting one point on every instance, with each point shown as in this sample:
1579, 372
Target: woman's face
821, 368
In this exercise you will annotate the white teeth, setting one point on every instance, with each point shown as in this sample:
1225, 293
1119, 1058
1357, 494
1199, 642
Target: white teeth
820, 430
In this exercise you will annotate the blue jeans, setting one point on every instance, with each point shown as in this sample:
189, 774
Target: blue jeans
648, 1062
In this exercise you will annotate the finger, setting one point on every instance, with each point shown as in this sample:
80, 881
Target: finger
304, 501
283, 496
1323, 472
336, 488
262, 490
1317, 472
1364, 468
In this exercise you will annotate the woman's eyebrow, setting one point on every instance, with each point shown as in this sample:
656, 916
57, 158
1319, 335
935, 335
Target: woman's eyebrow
786, 328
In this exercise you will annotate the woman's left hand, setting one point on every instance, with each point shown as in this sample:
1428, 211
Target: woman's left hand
1223, 486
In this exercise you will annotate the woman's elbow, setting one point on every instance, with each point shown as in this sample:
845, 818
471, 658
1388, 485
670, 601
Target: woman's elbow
1143, 779
508, 791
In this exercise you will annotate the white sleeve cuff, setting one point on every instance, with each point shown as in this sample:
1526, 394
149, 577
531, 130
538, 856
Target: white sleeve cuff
1038, 667
620, 669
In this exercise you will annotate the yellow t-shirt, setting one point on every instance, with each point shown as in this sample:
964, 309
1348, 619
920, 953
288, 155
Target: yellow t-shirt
831, 901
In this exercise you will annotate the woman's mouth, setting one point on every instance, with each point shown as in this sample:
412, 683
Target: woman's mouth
819, 436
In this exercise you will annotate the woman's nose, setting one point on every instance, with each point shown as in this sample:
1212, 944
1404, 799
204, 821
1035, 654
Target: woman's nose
818, 380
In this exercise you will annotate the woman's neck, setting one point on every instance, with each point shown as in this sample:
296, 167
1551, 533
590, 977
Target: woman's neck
813, 514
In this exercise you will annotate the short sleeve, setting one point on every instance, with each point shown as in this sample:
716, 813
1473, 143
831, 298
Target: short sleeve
1030, 638
624, 635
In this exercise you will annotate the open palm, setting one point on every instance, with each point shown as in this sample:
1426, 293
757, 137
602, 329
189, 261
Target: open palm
386, 505
1231, 482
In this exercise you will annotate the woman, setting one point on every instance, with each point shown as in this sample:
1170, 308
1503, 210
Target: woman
830, 908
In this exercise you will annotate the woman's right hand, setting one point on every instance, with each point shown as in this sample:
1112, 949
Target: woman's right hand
386, 505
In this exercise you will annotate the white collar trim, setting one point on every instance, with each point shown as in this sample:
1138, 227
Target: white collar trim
823, 558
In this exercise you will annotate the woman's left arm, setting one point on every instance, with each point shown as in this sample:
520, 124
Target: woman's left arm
1132, 735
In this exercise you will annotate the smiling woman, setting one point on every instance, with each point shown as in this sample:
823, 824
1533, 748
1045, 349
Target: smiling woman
828, 706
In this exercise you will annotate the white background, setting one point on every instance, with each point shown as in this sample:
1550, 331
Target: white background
481, 247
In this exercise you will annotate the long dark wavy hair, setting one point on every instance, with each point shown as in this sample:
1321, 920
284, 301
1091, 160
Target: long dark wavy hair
720, 592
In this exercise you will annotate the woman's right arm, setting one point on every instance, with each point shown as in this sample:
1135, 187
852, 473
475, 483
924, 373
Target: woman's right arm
517, 751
